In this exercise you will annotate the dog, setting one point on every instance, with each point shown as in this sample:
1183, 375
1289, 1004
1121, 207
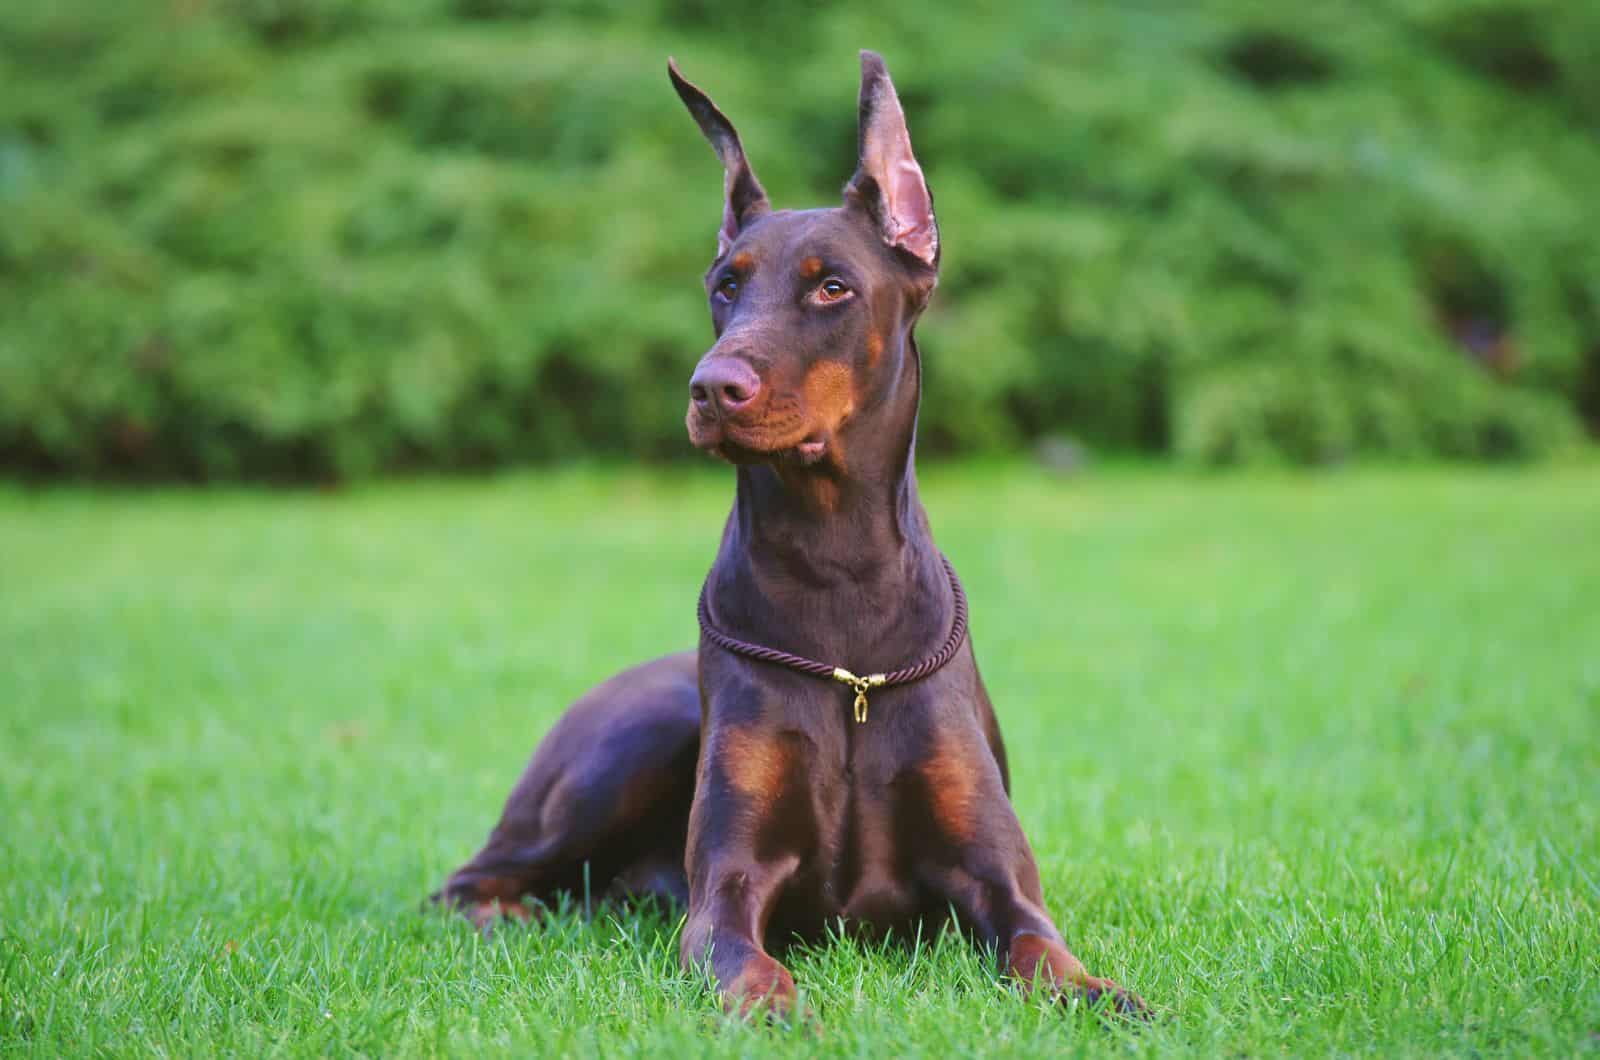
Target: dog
758, 781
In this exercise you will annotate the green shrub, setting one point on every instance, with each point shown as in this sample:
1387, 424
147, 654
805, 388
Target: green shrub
281, 238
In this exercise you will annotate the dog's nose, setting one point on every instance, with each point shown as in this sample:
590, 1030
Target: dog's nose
726, 383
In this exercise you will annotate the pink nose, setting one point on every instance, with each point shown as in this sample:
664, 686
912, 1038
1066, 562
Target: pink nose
724, 385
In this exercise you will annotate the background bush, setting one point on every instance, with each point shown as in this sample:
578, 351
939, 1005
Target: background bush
305, 239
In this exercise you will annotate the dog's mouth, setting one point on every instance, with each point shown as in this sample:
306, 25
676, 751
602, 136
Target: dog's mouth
788, 439
804, 453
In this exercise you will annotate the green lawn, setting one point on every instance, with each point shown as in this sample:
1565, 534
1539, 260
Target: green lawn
1313, 763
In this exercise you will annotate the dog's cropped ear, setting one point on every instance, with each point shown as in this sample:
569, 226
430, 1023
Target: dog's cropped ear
888, 182
743, 198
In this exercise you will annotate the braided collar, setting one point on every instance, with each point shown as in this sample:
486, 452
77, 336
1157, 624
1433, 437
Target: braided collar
902, 676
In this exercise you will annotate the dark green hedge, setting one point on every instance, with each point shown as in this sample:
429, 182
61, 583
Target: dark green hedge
300, 238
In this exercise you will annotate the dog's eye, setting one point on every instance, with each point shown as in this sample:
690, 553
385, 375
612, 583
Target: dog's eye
833, 289
727, 288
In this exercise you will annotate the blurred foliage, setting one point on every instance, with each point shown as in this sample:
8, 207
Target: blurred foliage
308, 238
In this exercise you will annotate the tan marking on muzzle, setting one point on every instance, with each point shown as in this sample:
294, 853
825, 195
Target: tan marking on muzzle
830, 395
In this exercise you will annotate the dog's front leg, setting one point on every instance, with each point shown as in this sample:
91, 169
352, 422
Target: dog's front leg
723, 933
975, 858
747, 831
997, 895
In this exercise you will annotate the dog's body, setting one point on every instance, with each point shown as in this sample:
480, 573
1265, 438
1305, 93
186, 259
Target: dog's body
745, 789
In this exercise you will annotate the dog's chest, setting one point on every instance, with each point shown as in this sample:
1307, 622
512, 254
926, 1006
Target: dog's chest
871, 881
892, 819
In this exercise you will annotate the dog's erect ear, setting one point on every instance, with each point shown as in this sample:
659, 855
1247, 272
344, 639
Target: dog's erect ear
888, 181
743, 198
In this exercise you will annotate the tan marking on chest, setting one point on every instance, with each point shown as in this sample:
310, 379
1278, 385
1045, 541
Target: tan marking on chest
755, 764
952, 784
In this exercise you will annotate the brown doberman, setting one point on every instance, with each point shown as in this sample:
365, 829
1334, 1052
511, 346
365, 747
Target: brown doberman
746, 787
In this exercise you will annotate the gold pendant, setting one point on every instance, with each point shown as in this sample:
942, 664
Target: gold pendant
860, 684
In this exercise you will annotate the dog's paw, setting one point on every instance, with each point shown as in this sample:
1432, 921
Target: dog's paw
763, 989
491, 913
1106, 996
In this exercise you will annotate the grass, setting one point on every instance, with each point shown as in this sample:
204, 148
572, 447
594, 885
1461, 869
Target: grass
1311, 762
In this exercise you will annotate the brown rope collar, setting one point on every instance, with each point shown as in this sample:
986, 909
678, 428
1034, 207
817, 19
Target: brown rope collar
904, 675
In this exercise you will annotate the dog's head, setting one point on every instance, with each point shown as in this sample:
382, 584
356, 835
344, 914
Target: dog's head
812, 309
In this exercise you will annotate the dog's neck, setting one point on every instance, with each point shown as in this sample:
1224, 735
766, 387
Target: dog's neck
846, 543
